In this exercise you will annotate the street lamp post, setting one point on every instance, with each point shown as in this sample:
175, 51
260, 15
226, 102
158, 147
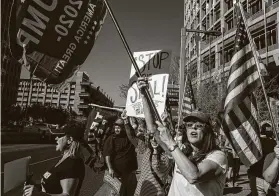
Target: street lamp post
182, 57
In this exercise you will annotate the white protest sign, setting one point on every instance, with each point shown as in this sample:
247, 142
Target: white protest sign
154, 65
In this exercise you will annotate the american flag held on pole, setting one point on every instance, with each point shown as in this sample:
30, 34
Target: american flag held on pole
240, 113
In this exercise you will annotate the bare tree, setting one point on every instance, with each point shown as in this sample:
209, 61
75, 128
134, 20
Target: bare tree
174, 70
123, 88
272, 90
209, 97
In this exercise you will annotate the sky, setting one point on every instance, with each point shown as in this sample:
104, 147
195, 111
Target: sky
146, 25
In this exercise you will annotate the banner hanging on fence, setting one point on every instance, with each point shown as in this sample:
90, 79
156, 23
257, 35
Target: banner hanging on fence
154, 65
55, 35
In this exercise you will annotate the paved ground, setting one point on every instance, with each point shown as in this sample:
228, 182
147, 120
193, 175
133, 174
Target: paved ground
44, 157
242, 185
241, 188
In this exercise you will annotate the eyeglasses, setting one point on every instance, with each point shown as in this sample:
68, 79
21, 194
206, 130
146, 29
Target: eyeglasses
197, 125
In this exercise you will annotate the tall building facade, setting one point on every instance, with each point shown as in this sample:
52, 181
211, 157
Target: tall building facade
10, 68
79, 93
207, 57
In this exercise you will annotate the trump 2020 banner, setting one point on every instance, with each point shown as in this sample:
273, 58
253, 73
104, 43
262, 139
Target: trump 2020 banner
154, 65
54, 37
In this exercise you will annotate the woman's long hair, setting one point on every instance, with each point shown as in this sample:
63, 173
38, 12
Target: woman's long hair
208, 145
74, 149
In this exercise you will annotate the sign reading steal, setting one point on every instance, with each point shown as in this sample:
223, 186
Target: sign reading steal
154, 65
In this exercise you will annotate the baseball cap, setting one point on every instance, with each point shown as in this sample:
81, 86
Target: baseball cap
119, 121
198, 115
75, 130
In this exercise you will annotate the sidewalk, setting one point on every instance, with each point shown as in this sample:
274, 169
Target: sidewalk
242, 186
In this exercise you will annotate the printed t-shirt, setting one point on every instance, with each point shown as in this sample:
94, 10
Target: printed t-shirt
149, 184
214, 187
69, 168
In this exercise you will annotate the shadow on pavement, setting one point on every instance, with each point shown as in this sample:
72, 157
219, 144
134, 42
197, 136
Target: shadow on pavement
234, 190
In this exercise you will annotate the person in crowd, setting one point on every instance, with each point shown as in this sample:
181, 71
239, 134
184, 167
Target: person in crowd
100, 136
155, 164
180, 137
259, 186
271, 171
236, 167
121, 158
229, 152
201, 170
92, 136
66, 176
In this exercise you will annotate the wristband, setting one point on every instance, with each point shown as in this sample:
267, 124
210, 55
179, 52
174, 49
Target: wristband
173, 148
126, 121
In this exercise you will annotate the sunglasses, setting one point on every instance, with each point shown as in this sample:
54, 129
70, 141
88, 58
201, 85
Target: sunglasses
197, 125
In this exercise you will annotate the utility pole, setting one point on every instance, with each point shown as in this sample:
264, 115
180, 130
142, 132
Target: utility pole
182, 60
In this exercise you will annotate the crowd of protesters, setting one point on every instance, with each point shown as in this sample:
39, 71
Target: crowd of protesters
191, 159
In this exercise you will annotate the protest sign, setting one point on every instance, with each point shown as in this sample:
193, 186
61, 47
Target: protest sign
53, 38
154, 65
15, 173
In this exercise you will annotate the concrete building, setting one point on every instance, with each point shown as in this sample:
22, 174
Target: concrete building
204, 55
10, 68
79, 93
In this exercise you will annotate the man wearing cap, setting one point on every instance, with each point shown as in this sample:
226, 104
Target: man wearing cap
201, 169
121, 158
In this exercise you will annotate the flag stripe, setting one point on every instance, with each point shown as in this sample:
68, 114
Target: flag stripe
188, 102
241, 135
249, 124
239, 54
242, 90
240, 123
244, 147
243, 71
235, 145
241, 59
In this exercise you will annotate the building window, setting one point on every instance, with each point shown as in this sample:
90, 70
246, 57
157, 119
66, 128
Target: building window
229, 4
244, 5
259, 39
272, 34
229, 21
259, 36
275, 1
255, 6
212, 60
229, 51
205, 63
194, 71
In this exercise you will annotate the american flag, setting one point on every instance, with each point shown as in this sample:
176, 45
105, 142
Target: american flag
188, 102
240, 113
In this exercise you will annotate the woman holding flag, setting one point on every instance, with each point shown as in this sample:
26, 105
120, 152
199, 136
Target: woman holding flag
201, 170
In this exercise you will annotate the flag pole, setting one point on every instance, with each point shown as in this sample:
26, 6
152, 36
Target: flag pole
265, 30
138, 73
259, 71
